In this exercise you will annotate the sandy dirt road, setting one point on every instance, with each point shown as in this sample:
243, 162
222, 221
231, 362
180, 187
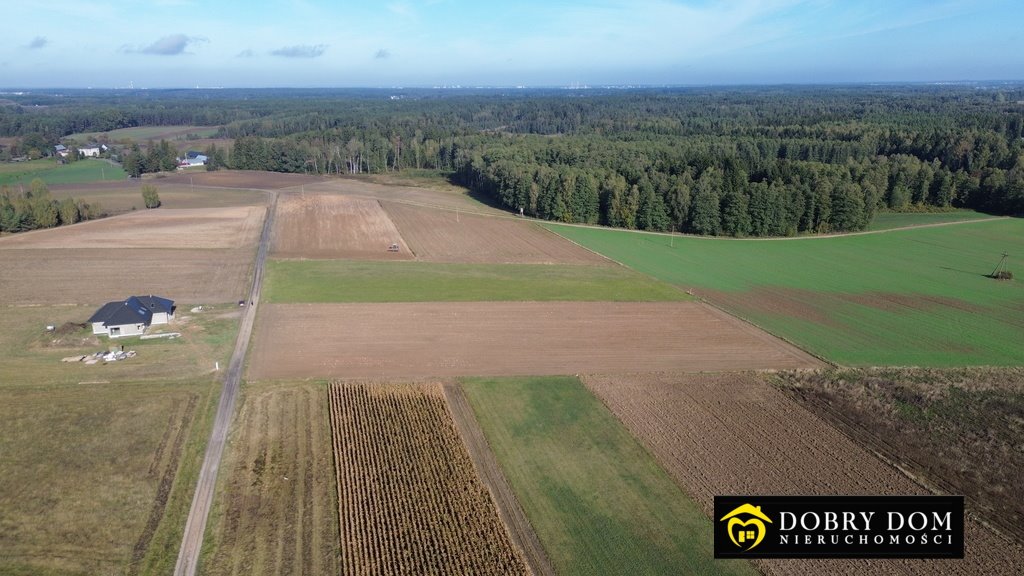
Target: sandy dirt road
195, 525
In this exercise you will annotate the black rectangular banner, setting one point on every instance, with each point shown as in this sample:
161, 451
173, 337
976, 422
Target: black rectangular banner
839, 526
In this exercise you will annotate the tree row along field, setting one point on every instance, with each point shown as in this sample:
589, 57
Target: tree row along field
735, 434
916, 297
409, 499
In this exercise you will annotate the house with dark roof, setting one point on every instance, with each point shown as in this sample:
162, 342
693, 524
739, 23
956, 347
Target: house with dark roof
132, 316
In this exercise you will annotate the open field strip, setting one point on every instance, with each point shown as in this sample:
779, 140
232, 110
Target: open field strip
84, 171
334, 226
449, 236
276, 508
99, 462
910, 297
735, 434
409, 498
347, 281
958, 430
163, 228
142, 133
597, 500
506, 338
429, 192
893, 220
126, 196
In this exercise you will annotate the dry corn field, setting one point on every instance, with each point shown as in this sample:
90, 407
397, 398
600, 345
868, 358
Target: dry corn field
409, 499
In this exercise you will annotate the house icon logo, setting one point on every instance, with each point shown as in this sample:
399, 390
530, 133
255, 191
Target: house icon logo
746, 526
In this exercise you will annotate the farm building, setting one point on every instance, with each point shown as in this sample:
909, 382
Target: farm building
192, 158
61, 150
131, 317
92, 151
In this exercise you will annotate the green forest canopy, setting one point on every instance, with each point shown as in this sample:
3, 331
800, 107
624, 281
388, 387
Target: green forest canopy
757, 161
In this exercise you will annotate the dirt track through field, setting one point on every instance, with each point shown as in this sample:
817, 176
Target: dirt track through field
735, 434
449, 236
507, 338
311, 225
489, 471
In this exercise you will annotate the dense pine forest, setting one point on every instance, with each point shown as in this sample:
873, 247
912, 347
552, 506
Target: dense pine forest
758, 161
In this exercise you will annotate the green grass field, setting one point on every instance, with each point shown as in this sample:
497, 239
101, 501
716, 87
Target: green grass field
81, 172
890, 220
348, 281
902, 298
597, 500
142, 133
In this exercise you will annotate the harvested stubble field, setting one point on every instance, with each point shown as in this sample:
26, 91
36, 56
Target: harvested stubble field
311, 225
736, 434
447, 236
958, 430
507, 338
236, 227
275, 511
410, 501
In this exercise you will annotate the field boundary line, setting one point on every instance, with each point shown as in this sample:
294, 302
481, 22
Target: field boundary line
202, 500
517, 524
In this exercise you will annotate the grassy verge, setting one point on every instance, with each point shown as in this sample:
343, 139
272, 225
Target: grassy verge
318, 281
597, 500
890, 220
911, 297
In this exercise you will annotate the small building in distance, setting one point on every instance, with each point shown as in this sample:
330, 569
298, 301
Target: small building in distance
61, 150
132, 316
92, 151
192, 158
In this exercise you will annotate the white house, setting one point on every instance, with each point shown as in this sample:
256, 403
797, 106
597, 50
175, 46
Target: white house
93, 151
131, 317
192, 158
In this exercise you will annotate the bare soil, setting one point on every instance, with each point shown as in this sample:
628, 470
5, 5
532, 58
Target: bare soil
507, 338
736, 434
392, 190
409, 498
449, 236
315, 225
236, 227
52, 276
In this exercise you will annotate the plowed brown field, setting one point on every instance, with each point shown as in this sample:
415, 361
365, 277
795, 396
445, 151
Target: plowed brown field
236, 227
314, 225
89, 276
444, 196
409, 499
447, 236
735, 434
507, 338
252, 179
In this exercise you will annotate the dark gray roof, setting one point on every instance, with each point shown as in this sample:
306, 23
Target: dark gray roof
156, 303
130, 311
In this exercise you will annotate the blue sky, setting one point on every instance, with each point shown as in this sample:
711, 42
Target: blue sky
210, 43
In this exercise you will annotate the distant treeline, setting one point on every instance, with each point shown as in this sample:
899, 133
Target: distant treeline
743, 161
22, 210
